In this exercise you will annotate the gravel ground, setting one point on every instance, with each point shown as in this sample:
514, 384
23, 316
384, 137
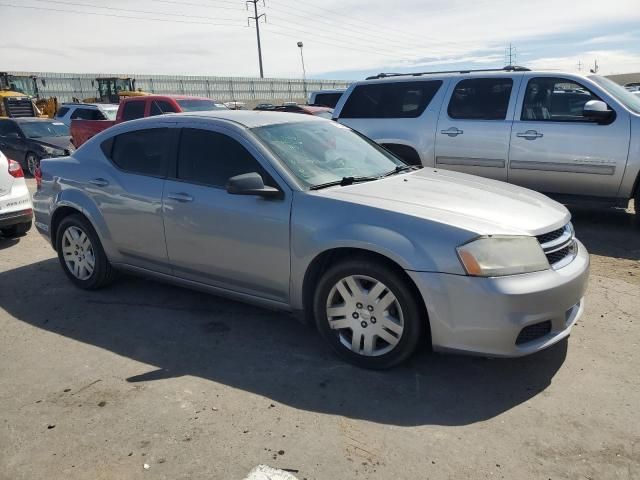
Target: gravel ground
94, 385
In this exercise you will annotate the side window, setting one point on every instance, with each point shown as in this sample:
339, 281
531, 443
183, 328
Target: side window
390, 100
555, 100
133, 110
7, 127
87, 114
213, 158
327, 99
145, 152
481, 99
160, 107
62, 111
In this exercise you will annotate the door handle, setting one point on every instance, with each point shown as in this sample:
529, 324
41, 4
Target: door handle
529, 135
99, 182
452, 132
180, 197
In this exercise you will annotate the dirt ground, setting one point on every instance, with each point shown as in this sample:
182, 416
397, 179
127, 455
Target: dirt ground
94, 385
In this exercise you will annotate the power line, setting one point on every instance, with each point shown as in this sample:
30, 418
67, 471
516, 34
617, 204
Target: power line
174, 2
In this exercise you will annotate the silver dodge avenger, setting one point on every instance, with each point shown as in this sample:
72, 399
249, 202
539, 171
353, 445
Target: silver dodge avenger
305, 215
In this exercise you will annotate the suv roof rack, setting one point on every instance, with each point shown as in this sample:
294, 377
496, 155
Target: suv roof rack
508, 68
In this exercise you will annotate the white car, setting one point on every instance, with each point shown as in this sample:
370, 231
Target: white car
16, 210
86, 111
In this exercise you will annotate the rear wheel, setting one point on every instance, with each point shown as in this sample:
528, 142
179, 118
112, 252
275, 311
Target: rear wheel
368, 313
16, 230
32, 163
81, 254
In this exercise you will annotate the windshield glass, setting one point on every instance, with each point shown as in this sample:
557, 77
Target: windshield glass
44, 129
323, 152
324, 114
200, 105
618, 92
110, 113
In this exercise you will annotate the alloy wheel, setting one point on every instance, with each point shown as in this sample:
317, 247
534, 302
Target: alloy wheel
78, 253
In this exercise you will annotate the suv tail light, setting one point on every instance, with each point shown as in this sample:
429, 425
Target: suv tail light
15, 170
38, 177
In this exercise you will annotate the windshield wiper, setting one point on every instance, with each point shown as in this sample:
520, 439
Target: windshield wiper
343, 182
401, 168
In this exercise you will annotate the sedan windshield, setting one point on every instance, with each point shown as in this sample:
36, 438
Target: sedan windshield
44, 129
322, 152
200, 105
620, 93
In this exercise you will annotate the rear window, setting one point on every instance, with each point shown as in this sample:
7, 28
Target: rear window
133, 110
327, 99
200, 105
390, 100
160, 107
145, 152
87, 114
481, 99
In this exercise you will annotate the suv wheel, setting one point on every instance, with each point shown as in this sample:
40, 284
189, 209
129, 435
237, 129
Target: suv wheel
81, 254
368, 314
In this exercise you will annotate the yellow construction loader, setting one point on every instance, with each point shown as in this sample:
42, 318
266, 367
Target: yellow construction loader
113, 89
20, 97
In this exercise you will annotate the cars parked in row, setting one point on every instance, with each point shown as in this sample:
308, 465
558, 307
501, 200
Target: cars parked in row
302, 214
30, 139
575, 138
86, 111
16, 211
132, 108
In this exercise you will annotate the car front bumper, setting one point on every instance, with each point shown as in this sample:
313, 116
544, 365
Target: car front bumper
485, 316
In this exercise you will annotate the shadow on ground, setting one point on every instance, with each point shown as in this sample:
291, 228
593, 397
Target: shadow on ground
6, 242
181, 332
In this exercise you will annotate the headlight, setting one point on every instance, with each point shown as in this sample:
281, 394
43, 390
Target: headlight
54, 152
502, 255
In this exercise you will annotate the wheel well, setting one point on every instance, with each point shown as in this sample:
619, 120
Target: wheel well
58, 216
327, 259
406, 153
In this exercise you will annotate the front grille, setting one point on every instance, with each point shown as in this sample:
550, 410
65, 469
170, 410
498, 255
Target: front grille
559, 255
559, 246
551, 236
533, 332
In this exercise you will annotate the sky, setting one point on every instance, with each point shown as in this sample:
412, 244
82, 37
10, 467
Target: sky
343, 39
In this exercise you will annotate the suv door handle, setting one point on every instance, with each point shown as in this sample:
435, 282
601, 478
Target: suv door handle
99, 182
180, 197
452, 132
530, 135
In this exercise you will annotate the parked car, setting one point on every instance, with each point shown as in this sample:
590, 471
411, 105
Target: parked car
16, 211
575, 138
131, 108
28, 140
264, 106
323, 112
302, 214
85, 111
326, 98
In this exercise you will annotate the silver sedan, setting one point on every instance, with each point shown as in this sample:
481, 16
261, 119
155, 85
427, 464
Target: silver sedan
305, 215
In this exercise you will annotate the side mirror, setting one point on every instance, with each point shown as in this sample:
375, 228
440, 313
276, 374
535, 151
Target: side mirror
598, 111
251, 184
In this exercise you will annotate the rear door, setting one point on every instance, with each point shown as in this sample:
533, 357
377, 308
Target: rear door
474, 127
12, 142
555, 149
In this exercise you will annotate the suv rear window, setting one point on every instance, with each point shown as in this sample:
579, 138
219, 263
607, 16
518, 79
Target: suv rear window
133, 110
481, 99
390, 100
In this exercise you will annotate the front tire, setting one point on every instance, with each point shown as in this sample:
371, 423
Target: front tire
81, 254
368, 313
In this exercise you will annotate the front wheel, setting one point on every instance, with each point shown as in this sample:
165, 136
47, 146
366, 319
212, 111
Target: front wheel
368, 313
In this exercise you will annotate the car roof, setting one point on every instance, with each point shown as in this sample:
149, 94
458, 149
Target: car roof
251, 118
417, 77
33, 119
174, 97
90, 105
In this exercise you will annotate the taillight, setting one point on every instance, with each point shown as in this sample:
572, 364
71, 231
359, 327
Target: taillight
15, 170
38, 177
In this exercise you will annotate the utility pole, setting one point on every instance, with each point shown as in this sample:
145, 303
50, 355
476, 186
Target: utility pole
510, 55
256, 18
579, 66
304, 72
595, 67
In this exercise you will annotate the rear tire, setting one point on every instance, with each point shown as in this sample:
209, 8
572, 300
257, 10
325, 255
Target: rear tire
18, 230
81, 254
368, 313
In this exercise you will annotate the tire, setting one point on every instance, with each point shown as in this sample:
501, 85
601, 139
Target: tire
380, 343
31, 162
93, 269
17, 230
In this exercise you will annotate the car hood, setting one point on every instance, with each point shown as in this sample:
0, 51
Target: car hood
476, 204
63, 143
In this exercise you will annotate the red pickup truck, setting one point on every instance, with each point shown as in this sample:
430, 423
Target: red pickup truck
138, 107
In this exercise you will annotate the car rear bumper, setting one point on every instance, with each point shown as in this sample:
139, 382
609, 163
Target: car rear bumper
15, 218
506, 316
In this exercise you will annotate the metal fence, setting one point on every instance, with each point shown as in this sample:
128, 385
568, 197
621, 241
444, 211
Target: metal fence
66, 86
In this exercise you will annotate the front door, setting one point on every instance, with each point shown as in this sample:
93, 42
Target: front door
235, 242
12, 142
555, 149
475, 125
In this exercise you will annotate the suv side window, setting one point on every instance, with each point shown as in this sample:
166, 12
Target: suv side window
133, 110
160, 107
390, 100
87, 114
552, 99
62, 111
212, 158
480, 99
145, 152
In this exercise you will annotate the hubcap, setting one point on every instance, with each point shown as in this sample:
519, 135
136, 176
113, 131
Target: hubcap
78, 253
366, 315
